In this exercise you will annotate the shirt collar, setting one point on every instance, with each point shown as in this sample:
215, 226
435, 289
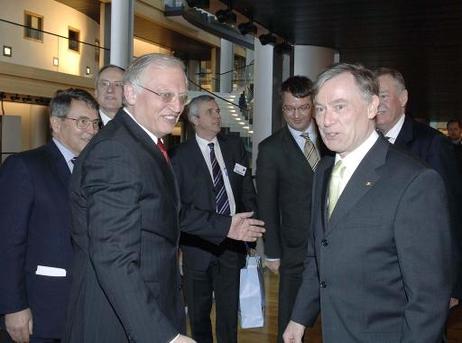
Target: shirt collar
393, 133
67, 154
104, 117
203, 143
311, 130
354, 158
150, 134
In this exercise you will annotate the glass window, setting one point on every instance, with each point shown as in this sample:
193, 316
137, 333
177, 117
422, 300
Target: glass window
74, 38
33, 26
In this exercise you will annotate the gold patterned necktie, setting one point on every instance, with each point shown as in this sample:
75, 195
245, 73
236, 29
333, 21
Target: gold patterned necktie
310, 152
335, 185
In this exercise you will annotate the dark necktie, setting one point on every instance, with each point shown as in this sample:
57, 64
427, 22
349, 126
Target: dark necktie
221, 198
162, 149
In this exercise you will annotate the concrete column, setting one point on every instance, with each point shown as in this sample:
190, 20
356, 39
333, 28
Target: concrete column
215, 69
310, 60
263, 96
226, 66
104, 32
122, 15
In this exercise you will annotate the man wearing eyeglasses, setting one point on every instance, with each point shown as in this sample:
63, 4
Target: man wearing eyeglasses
125, 209
35, 224
108, 91
285, 166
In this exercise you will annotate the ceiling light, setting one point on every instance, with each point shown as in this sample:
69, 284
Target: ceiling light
7, 51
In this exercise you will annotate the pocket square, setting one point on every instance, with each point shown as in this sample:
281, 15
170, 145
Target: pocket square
50, 271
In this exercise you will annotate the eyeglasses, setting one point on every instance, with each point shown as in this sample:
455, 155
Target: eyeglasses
291, 109
83, 122
106, 84
167, 97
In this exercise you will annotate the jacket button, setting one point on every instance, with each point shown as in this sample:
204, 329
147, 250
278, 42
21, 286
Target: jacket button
323, 284
324, 243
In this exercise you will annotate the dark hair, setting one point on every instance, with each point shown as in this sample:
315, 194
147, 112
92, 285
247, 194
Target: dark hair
61, 102
107, 66
451, 121
395, 74
363, 77
298, 86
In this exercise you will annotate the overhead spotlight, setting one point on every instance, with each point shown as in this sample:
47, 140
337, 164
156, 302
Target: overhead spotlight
283, 48
226, 16
198, 3
267, 38
246, 28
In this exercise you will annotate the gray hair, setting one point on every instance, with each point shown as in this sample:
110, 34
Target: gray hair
363, 77
193, 107
107, 66
393, 73
136, 69
60, 104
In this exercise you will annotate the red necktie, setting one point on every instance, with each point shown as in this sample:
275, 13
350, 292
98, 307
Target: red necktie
162, 149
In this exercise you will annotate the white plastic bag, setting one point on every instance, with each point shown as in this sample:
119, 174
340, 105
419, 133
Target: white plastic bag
252, 294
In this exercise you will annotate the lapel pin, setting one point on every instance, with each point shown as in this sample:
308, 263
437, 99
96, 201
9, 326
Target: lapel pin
369, 183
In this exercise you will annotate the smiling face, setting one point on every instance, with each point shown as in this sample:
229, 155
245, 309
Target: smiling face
66, 131
207, 122
149, 109
345, 119
297, 111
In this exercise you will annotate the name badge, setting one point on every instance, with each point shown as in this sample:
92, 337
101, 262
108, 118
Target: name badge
239, 169
50, 271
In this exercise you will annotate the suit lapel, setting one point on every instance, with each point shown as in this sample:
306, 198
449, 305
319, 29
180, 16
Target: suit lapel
149, 146
406, 134
291, 147
363, 179
199, 161
58, 164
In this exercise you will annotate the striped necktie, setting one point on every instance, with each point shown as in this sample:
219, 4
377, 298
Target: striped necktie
221, 198
310, 152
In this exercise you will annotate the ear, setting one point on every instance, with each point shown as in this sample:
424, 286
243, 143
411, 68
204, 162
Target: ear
403, 98
372, 107
130, 94
55, 124
193, 120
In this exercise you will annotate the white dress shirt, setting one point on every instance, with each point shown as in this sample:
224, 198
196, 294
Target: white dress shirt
205, 149
104, 117
150, 134
67, 154
312, 133
354, 158
393, 133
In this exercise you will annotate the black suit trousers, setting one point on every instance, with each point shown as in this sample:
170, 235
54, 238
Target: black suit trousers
199, 287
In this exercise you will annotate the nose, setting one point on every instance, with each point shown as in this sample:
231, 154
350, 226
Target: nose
329, 118
176, 105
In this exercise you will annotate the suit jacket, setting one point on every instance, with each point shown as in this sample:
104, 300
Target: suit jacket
435, 149
196, 189
284, 183
125, 207
35, 230
380, 268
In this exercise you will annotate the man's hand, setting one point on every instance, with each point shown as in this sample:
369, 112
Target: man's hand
244, 228
453, 302
273, 265
293, 333
183, 339
19, 325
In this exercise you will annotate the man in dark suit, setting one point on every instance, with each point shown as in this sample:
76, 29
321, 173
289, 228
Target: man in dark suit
35, 239
379, 267
284, 183
424, 142
125, 205
213, 175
